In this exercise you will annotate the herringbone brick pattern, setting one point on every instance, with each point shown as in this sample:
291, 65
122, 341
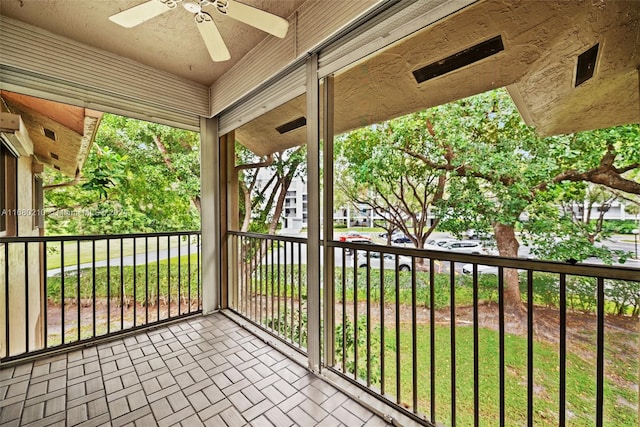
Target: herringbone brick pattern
203, 371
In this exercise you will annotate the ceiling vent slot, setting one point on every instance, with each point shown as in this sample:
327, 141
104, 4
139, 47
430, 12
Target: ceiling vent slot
292, 125
458, 60
54, 156
49, 134
586, 64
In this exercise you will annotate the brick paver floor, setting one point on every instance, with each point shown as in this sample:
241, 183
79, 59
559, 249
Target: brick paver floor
203, 371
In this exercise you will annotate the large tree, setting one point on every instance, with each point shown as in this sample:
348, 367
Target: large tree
139, 176
402, 190
499, 173
502, 172
263, 185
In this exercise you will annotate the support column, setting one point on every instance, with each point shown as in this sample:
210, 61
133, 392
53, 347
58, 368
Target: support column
230, 287
313, 223
327, 209
210, 213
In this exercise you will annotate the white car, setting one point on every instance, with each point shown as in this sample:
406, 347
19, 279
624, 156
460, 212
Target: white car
465, 246
482, 269
439, 242
404, 262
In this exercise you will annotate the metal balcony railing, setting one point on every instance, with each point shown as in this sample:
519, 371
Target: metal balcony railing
447, 346
57, 292
271, 286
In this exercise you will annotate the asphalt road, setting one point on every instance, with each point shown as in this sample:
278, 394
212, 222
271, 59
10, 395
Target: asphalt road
291, 255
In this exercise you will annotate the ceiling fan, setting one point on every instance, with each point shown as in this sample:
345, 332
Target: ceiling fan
218, 51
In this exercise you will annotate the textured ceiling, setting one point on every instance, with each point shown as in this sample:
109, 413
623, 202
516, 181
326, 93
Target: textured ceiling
74, 129
169, 42
542, 41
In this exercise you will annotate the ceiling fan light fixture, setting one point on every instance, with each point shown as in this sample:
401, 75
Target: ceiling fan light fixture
192, 6
218, 51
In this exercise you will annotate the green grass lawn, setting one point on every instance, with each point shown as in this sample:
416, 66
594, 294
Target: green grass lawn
580, 390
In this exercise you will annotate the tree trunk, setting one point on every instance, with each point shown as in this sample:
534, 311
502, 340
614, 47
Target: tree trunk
508, 247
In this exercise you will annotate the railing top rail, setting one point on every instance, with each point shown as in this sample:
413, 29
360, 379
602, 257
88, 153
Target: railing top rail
580, 269
37, 239
268, 236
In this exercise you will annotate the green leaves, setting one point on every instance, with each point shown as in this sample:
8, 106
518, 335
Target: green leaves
138, 177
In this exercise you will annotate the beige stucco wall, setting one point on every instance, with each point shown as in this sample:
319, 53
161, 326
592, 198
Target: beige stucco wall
21, 273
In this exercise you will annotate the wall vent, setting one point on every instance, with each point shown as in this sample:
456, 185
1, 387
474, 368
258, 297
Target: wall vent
54, 156
458, 60
586, 65
292, 125
49, 134
56, 167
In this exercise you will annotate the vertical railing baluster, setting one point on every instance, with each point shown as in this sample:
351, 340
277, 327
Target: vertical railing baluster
291, 312
600, 354
108, 286
397, 326
93, 283
501, 344
530, 384
476, 349
62, 316
45, 306
432, 338
452, 314
78, 284
135, 283
278, 283
255, 298
242, 303
121, 283
253, 278
168, 277
368, 319
299, 293
179, 275
252, 282
26, 295
261, 246
198, 267
189, 272
286, 302
146, 280
382, 343
562, 362
355, 312
414, 333
344, 311
6, 299
158, 278
272, 279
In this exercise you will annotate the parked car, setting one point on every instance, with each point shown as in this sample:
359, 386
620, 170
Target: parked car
357, 240
440, 242
351, 235
386, 233
399, 239
404, 262
482, 269
465, 246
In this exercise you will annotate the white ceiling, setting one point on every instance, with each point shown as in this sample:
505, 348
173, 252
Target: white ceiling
169, 42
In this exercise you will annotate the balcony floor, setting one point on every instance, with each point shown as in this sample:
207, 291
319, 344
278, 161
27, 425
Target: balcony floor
206, 370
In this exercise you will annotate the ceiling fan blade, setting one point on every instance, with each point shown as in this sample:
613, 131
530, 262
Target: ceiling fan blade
138, 14
212, 38
257, 18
